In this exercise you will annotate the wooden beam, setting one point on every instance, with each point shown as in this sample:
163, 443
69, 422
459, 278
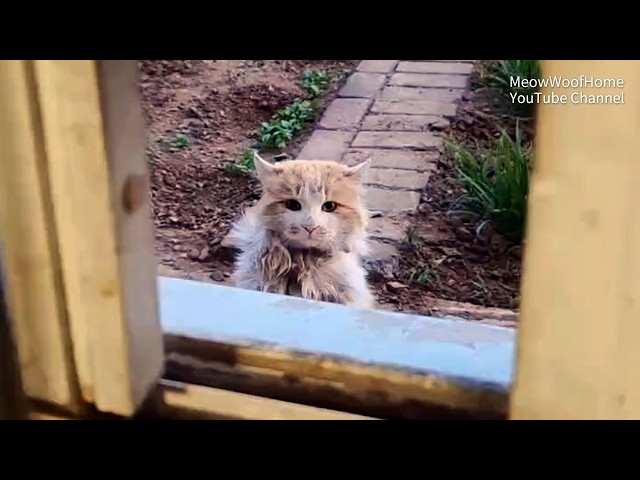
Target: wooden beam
35, 293
579, 335
35, 415
390, 361
94, 142
205, 402
337, 383
126, 141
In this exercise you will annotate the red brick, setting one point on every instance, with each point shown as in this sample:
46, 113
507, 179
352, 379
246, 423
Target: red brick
414, 107
395, 93
399, 159
435, 67
344, 113
419, 140
429, 80
377, 66
326, 145
362, 85
407, 123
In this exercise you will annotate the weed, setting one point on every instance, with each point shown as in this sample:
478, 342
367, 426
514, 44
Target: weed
481, 285
483, 72
496, 181
504, 70
244, 165
499, 76
289, 122
255, 63
314, 83
413, 236
179, 141
286, 124
424, 276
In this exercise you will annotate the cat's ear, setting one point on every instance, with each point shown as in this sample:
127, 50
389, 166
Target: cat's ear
264, 169
358, 173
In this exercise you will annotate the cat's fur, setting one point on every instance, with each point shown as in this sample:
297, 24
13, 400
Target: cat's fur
279, 255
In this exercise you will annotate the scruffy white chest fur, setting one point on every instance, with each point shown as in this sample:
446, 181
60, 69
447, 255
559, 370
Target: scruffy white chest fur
306, 236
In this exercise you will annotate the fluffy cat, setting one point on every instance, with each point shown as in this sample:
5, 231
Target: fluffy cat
306, 235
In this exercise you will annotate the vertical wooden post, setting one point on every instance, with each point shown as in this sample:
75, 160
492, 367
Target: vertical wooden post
77, 232
95, 142
29, 248
579, 336
125, 138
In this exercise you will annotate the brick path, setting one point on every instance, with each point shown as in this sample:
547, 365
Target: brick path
393, 111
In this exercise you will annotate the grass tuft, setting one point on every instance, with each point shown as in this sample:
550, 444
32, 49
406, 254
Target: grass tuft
244, 165
498, 74
496, 182
504, 70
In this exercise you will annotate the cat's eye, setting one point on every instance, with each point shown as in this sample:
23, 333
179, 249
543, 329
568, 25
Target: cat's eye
293, 205
329, 206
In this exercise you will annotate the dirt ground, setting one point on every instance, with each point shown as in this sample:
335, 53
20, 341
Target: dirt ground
204, 113
200, 115
460, 264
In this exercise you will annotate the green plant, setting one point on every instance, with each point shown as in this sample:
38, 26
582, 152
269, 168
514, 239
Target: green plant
502, 75
424, 276
314, 83
504, 70
179, 141
496, 181
286, 124
413, 236
481, 285
243, 165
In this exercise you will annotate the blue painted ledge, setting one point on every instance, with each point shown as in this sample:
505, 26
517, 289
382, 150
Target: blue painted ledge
475, 353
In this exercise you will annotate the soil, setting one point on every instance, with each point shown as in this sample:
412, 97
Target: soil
218, 106
202, 114
462, 263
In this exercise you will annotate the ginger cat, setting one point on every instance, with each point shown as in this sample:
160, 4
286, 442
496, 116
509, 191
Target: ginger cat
306, 236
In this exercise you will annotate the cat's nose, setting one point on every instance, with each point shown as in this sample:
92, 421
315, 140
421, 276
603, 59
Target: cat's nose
309, 228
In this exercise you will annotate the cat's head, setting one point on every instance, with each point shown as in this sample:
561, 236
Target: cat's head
313, 204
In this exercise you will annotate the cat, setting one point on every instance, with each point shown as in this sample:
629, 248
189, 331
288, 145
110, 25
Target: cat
306, 236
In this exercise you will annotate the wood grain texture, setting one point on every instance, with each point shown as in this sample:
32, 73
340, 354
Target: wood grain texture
93, 141
579, 336
218, 403
35, 294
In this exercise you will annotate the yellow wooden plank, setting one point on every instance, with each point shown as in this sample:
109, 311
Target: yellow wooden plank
125, 137
106, 254
29, 246
579, 335
45, 416
241, 406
